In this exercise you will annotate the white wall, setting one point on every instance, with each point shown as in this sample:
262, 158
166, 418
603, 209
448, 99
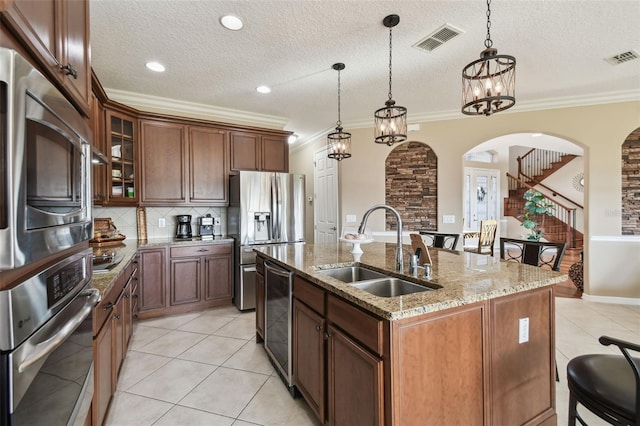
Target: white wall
600, 130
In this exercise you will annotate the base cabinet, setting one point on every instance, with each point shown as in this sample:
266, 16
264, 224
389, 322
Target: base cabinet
112, 330
153, 278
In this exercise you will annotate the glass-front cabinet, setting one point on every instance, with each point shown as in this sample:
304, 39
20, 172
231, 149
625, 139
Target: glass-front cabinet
122, 151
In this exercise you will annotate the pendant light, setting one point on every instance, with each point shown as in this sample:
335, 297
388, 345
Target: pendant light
390, 121
488, 84
339, 142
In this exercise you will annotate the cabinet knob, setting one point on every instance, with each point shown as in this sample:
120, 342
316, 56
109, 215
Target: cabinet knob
326, 336
318, 328
116, 316
69, 70
126, 295
135, 296
203, 250
108, 306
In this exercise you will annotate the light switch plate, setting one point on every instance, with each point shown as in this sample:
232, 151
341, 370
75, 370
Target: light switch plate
161, 222
448, 218
523, 330
351, 218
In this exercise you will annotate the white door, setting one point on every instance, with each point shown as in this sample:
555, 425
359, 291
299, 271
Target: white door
481, 195
325, 205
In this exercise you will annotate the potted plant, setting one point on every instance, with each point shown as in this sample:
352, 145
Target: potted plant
535, 205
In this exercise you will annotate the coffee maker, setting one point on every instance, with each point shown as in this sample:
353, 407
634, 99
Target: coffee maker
184, 226
206, 227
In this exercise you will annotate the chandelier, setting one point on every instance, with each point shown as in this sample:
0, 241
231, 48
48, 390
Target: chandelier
391, 121
339, 142
488, 84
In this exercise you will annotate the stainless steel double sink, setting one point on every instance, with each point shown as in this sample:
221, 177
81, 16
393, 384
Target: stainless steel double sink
374, 282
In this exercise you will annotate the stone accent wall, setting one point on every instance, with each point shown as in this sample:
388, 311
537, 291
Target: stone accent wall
411, 186
631, 184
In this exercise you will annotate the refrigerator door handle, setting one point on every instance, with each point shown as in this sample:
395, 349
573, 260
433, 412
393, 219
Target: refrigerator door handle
275, 208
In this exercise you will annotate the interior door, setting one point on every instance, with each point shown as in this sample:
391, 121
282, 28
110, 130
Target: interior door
326, 198
481, 195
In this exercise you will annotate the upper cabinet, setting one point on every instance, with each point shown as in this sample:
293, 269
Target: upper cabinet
57, 34
262, 152
183, 165
122, 151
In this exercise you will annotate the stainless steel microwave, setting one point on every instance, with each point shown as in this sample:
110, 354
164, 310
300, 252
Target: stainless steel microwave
45, 160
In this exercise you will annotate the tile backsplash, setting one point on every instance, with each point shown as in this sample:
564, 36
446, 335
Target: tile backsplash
125, 219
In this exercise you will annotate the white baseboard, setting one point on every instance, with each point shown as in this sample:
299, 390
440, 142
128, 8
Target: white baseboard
612, 299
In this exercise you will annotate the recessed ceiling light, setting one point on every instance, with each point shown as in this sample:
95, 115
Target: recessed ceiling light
263, 89
231, 22
155, 66
293, 138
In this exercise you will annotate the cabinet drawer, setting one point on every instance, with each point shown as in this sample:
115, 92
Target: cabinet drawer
204, 250
359, 324
105, 308
308, 293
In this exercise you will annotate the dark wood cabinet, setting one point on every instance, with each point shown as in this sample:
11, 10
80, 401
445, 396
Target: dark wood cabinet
355, 393
152, 281
218, 278
121, 148
162, 164
208, 166
261, 152
112, 326
185, 281
309, 356
56, 32
183, 165
99, 170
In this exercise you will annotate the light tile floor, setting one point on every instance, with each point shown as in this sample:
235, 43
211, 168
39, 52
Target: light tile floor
205, 368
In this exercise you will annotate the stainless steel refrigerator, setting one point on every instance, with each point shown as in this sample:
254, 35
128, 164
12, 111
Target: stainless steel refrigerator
264, 208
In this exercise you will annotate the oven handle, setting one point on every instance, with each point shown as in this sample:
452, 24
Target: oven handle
48, 345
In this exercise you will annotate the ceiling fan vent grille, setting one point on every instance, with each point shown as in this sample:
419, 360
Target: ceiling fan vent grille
438, 38
621, 58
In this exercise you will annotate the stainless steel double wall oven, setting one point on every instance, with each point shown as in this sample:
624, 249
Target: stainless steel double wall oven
46, 338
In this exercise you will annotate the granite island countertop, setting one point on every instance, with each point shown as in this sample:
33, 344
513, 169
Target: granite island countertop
458, 278
104, 281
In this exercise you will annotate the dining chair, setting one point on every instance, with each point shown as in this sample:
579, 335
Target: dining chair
440, 240
486, 239
546, 255
607, 385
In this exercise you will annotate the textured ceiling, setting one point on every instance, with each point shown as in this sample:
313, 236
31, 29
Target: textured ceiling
291, 45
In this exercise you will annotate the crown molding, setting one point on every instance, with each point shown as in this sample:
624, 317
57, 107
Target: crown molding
195, 110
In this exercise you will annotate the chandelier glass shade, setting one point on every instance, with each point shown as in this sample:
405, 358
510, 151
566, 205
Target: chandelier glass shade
390, 122
489, 83
339, 142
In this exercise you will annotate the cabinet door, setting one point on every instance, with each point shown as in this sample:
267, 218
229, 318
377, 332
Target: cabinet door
356, 391
122, 151
218, 278
118, 338
275, 154
74, 48
245, 153
208, 165
259, 307
522, 395
162, 163
102, 372
152, 286
127, 316
185, 281
309, 357
99, 171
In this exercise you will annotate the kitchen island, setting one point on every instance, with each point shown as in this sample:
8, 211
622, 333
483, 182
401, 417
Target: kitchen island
477, 347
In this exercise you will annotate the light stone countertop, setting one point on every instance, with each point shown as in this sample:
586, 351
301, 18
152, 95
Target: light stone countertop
104, 281
461, 278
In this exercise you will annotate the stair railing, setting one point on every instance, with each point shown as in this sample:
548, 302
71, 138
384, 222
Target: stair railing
565, 214
533, 165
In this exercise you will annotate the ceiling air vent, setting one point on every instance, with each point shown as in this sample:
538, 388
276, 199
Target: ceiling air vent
438, 38
621, 58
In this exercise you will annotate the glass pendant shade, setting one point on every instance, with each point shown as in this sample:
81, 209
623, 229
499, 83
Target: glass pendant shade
489, 83
339, 142
390, 122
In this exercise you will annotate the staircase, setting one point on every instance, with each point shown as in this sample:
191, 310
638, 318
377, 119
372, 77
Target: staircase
533, 167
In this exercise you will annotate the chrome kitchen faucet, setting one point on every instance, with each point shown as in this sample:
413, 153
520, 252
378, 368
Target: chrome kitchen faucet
363, 224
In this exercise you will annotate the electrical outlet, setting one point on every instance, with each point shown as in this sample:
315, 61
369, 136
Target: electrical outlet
216, 221
161, 222
523, 330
